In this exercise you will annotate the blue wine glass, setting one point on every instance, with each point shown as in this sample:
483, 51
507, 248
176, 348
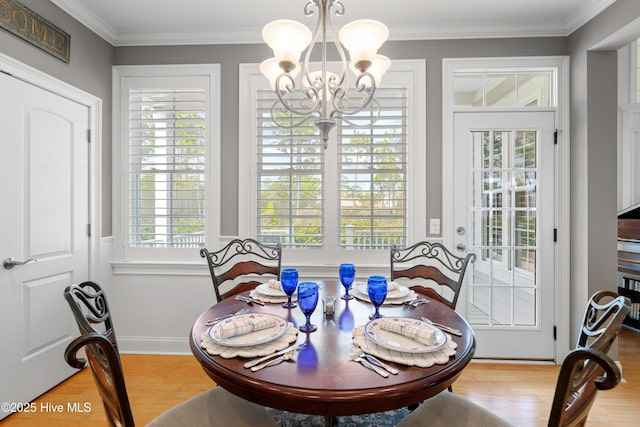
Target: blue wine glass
289, 280
377, 290
307, 300
347, 274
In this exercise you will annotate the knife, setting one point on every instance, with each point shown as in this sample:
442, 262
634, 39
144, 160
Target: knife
373, 367
255, 362
380, 363
445, 328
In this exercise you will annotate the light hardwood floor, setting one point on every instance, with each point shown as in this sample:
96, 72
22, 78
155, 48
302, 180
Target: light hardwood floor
520, 393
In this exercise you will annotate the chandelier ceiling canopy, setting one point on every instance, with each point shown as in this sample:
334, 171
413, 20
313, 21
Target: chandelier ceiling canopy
320, 95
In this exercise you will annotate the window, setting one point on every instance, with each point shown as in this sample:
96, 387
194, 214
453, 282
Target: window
508, 169
357, 197
373, 176
168, 128
500, 89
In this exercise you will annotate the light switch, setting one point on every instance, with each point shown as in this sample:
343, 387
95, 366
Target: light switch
434, 226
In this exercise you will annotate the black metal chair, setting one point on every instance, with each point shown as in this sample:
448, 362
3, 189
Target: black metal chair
433, 263
242, 259
584, 371
214, 407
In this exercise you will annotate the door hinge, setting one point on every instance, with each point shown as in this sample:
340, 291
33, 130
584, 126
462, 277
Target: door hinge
88, 135
555, 234
555, 333
89, 230
555, 137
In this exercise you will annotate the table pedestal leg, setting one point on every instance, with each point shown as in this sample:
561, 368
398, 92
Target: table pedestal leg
330, 421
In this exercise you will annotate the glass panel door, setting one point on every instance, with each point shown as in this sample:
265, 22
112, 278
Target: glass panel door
504, 193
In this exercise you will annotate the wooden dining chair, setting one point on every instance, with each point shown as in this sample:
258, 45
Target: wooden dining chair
584, 371
435, 265
214, 407
238, 261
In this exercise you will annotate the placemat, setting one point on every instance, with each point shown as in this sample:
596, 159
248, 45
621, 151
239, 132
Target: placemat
423, 360
214, 349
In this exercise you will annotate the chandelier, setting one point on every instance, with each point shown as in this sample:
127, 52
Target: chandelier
321, 95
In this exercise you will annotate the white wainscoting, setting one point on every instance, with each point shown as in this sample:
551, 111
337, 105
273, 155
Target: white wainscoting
154, 305
154, 312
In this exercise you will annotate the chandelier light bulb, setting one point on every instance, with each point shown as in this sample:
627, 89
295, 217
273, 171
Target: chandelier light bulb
287, 39
271, 70
362, 39
379, 66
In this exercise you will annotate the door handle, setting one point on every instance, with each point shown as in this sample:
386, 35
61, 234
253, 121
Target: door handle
461, 247
9, 263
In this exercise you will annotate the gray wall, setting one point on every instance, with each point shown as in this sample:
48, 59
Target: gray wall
594, 149
89, 69
230, 56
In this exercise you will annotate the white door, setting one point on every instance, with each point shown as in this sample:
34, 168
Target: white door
504, 213
43, 217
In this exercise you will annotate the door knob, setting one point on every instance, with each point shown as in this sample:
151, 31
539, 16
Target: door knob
461, 247
9, 263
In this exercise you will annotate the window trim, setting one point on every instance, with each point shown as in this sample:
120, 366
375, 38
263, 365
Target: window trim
121, 251
413, 71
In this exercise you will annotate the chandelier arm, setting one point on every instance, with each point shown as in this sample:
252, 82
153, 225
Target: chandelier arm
324, 85
343, 57
341, 95
311, 93
287, 126
306, 74
375, 108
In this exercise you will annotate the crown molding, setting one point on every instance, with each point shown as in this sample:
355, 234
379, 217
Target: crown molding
586, 13
427, 31
86, 17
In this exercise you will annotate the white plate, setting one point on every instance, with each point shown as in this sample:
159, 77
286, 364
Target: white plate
265, 289
401, 292
252, 338
401, 343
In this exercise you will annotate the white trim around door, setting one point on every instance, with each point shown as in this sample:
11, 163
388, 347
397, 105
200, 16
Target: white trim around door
560, 65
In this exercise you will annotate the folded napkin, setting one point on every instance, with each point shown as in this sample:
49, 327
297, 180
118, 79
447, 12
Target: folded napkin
423, 335
243, 326
392, 286
274, 284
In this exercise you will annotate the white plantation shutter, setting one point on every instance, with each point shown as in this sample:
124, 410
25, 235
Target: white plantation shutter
372, 163
348, 202
290, 180
167, 157
373, 175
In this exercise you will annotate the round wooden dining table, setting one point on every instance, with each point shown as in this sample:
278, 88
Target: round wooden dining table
324, 380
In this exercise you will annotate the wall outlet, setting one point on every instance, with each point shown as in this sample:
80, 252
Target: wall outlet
434, 226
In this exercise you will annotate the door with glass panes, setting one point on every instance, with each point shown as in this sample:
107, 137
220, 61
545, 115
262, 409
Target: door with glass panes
504, 212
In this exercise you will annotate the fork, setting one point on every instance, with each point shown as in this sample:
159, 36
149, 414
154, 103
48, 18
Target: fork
354, 354
417, 302
248, 300
287, 356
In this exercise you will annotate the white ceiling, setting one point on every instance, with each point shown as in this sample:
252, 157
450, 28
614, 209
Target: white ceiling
161, 22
